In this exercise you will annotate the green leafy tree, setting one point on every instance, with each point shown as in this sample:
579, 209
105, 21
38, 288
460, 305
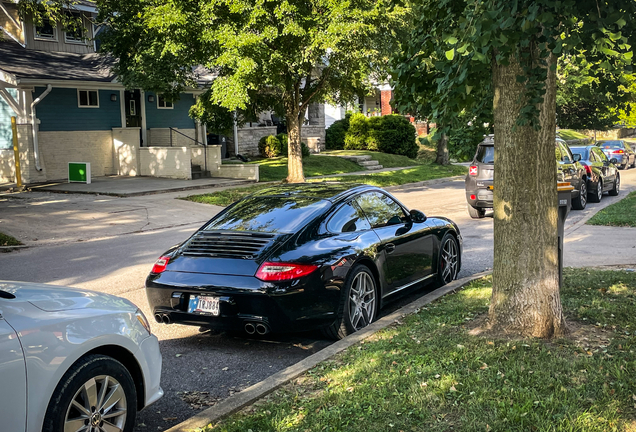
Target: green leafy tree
589, 96
511, 48
280, 55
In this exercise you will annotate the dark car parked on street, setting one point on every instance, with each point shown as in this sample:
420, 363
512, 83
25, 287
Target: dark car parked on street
301, 257
621, 150
602, 174
479, 180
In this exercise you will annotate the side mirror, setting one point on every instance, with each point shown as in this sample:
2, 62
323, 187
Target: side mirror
417, 216
614, 160
576, 157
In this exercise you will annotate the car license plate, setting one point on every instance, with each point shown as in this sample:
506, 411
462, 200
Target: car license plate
204, 304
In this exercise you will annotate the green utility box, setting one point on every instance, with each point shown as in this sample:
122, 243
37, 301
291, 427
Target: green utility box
79, 172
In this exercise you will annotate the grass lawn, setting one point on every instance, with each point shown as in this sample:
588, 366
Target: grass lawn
385, 159
623, 213
7, 240
276, 169
396, 178
430, 373
568, 134
387, 178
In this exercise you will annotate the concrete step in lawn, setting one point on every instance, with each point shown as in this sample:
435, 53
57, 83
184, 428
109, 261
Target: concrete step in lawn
364, 161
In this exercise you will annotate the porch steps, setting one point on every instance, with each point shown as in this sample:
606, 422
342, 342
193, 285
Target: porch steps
364, 161
198, 173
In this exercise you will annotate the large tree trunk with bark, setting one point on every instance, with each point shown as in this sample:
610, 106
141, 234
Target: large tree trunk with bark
525, 298
442, 151
295, 173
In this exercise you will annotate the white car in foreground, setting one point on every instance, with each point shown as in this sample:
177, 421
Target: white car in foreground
73, 360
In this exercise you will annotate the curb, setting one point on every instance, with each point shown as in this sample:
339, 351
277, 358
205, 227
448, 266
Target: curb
578, 224
248, 396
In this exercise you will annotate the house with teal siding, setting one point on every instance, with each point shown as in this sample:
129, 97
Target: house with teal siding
70, 107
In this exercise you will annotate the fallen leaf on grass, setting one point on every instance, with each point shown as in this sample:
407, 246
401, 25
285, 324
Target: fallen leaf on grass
178, 355
453, 388
484, 366
169, 418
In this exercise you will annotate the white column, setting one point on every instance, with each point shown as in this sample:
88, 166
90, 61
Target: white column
144, 132
122, 107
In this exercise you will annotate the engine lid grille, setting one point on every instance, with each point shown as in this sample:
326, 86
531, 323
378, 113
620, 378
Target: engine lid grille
227, 244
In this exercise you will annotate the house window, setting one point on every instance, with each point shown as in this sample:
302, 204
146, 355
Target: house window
74, 33
162, 103
46, 30
87, 99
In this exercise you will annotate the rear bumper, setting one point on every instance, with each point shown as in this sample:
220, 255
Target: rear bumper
300, 305
483, 198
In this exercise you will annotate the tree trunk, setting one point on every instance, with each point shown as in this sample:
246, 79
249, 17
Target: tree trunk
442, 151
525, 298
295, 172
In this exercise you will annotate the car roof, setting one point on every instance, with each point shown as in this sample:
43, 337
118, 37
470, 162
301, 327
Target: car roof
324, 190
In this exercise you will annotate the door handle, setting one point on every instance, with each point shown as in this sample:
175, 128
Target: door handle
390, 247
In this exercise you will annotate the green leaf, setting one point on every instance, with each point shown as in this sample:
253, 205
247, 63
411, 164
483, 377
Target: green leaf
452, 40
469, 89
621, 22
450, 54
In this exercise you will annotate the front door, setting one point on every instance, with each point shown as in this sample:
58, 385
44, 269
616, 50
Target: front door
132, 102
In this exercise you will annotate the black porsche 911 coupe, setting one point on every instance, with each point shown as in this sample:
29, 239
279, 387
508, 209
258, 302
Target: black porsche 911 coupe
300, 257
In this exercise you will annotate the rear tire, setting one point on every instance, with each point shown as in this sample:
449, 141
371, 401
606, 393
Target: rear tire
617, 186
580, 201
598, 195
476, 213
358, 304
103, 387
447, 260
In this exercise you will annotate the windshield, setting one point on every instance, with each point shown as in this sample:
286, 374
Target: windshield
485, 154
270, 214
612, 145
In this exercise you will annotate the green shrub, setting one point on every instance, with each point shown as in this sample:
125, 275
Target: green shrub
282, 137
269, 146
392, 134
304, 149
355, 137
335, 134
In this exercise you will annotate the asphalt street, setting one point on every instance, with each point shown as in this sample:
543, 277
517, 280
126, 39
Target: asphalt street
201, 368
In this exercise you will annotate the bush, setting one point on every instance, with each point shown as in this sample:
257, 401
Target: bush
392, 134
304, 149
269, 146
335, 134
356, 135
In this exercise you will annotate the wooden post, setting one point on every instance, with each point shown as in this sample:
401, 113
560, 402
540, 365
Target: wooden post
16, 152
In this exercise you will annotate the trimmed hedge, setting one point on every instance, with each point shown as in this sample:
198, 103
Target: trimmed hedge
335, 134
269, 146
392, 134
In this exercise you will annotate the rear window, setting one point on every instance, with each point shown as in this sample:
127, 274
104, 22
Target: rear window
270, 214
582, 151
612, 145
485, 154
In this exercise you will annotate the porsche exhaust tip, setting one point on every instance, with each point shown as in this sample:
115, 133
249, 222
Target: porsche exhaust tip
249, 328
261, 329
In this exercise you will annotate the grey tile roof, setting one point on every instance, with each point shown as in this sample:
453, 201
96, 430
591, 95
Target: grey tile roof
41, 65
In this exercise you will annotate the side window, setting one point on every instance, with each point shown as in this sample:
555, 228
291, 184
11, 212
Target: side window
599, 154
349, 218
380, 209
567, 155
627, 147
593, 157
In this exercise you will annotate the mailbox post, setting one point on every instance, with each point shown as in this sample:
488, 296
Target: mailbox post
564, 192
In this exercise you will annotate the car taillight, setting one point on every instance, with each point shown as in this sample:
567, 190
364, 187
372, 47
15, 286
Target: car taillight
160, 265
618, 151
473, 197
588, 170
274, 271
473, 170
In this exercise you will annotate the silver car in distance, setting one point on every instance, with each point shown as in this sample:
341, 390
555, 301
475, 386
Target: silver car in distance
73, 360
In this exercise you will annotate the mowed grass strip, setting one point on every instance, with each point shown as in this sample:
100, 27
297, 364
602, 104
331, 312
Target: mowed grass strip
7, 240
429, 373
387, 178
620, 214
396, 178
569, 134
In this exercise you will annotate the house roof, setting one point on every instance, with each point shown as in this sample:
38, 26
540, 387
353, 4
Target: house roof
28, 64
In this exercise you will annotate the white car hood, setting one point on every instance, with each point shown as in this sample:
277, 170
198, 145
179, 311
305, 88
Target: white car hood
51, 298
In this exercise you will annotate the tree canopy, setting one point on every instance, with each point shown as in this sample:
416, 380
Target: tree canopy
280, 55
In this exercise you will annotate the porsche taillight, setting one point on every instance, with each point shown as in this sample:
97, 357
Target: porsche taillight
276, 271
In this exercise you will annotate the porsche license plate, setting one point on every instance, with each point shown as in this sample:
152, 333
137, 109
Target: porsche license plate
204, 304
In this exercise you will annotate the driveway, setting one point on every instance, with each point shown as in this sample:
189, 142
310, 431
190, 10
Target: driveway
109, 244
